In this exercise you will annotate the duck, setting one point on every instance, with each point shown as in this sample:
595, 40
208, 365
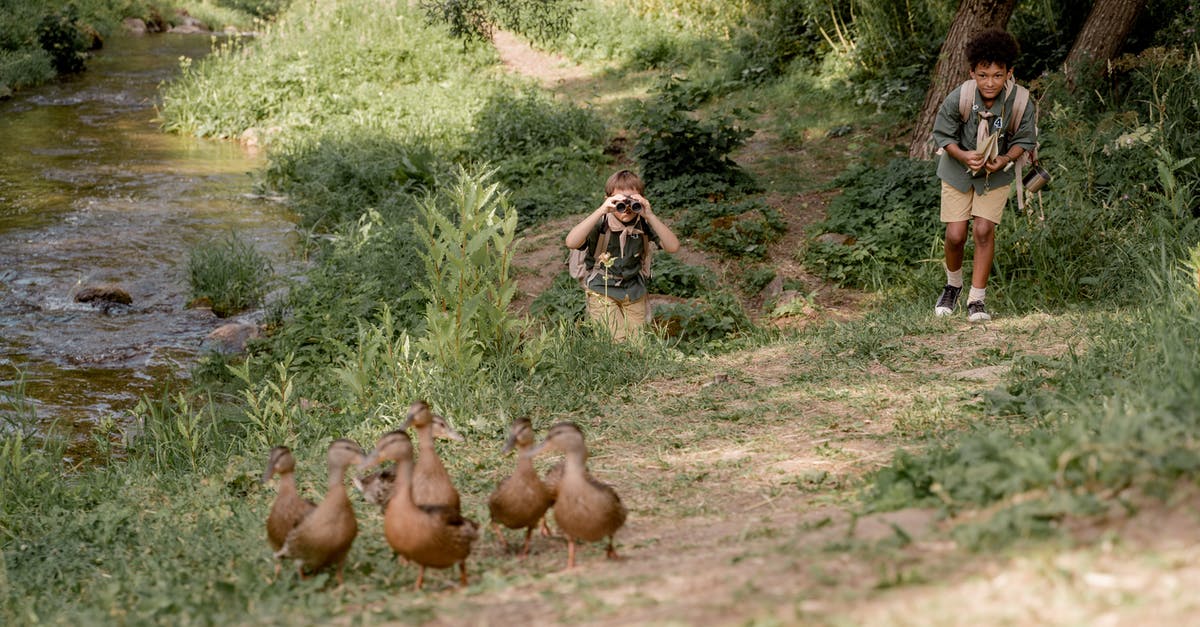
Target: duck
289, 507
521, 499
551, 480
431, 482
430, 535
376, 488
324, 536
585, 509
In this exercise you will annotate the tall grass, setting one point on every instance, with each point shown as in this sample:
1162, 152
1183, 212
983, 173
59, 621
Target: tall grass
231, 275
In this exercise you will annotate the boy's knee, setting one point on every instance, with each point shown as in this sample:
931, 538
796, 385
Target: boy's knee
956, 237
984, 231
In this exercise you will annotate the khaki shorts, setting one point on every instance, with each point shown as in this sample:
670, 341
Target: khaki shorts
960, 206
623, 318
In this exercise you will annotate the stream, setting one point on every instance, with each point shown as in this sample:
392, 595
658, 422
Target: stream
92, 192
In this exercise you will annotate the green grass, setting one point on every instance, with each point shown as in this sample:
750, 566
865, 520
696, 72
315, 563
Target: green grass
230, 275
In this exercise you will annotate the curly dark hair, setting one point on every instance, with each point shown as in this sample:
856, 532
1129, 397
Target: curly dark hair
992, 46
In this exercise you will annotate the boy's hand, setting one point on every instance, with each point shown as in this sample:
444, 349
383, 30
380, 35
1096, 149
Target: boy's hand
973, 160
998, 163
645, 204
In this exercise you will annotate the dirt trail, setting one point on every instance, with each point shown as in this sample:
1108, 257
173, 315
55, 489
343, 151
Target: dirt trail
741, 484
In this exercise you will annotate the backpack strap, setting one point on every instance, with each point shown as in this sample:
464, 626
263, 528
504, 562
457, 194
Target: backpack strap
966, 99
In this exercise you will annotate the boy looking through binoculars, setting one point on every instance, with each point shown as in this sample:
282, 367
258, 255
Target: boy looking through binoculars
616, 277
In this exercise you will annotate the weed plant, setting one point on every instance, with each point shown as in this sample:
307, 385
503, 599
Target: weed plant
673, 277
231, 275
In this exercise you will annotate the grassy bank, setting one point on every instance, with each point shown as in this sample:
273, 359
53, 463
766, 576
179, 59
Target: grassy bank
44, 40
772, 475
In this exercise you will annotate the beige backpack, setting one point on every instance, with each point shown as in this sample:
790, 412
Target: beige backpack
966, 100
577, 259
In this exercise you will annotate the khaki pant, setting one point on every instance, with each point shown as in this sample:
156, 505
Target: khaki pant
622, 318
960, 206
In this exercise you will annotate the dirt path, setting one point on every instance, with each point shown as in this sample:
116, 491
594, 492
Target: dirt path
548, 70
742, 481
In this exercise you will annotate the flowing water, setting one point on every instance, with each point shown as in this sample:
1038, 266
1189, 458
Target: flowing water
91, 192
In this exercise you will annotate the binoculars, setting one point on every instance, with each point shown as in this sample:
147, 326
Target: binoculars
628, 204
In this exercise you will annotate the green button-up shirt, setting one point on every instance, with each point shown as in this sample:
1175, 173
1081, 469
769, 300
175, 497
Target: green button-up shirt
949, 128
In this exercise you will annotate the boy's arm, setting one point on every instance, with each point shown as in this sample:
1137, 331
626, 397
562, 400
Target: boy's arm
579, 233
948, 126
666, 237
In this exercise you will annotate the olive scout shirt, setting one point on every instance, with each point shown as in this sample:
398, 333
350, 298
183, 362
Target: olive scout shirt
623, 277
949, 128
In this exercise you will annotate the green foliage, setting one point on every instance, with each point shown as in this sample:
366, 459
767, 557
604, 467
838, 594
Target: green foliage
756, 278
231, 274
61, 37
334, 178
261, 9
778, 33
525, 124
672, 143
699, 324
546, 151
738, 230
475, 19
673, 277
467, 254
564, 300
891, 214
390, 75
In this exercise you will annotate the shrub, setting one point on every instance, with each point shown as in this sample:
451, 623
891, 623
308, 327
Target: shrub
891, 214
700, 323
676, 278
564, 300
671, 143
738, 230
547, 152
231, 274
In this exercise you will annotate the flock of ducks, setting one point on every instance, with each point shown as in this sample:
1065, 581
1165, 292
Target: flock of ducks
422, 521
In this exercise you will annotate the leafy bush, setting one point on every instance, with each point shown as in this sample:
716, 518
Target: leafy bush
526, 124
671, 143
773, 37
231, 275
547, 152
676, 278
334, 178
475, 19
700, 323
564, 300
739, 230
262, 9
892, 215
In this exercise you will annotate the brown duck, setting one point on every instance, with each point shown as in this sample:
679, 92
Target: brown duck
324, 536
520, 500
289, 508
584, 508
431, 482
430, 535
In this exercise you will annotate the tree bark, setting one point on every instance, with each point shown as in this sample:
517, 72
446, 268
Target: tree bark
972, 17
1103, 34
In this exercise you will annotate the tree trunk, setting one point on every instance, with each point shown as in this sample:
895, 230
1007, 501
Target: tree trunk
1103, 33
972, 17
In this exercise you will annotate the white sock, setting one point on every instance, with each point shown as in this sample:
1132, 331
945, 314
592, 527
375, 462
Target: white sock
977, 294
954, 277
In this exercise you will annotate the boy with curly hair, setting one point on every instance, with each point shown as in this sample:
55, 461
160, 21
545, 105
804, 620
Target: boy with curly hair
974, 167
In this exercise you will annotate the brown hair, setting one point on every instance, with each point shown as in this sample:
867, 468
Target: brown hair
625, 179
